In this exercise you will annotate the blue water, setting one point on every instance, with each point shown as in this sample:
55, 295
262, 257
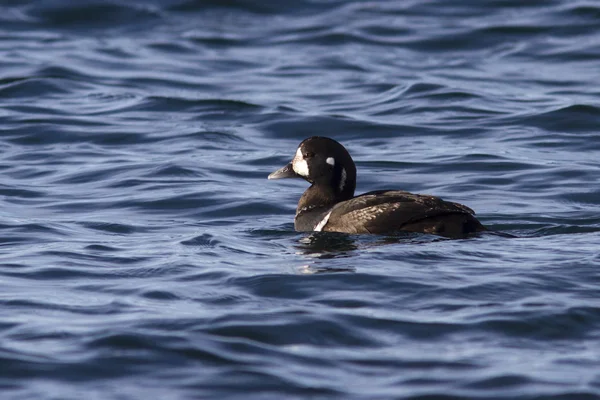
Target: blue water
144, 254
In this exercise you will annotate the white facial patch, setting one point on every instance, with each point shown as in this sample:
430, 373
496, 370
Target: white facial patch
330, 161
323, 222
299, 164
343, 180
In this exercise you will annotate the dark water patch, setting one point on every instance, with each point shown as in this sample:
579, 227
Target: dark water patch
128, 183
516, 30
88, 15
85, 261
564, 229
280, 286
264, 382
440, 94
71, 270
159, 295
97, 175
270, 7
574, 118
172, 171
490, 163
103, 309
20, 193
202, 107
327, 38
505, 382
241, 209
585, 11
569, 323
27, 227
47, 132
589, 197
415, 330
217, 41
14, 240
114, 227
24, 369
473, 7
334, 127
168, 47
183, 201
280, 331
28, 87
69, 76
102, 248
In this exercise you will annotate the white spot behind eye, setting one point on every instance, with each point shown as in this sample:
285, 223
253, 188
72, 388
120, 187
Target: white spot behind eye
299, 164
343, 180
330, 161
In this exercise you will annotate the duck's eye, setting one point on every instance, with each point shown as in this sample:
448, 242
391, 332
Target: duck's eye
309, 155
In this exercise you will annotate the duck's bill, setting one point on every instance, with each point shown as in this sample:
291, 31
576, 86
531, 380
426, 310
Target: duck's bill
285, 172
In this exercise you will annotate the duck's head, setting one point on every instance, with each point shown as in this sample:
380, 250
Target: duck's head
326, 164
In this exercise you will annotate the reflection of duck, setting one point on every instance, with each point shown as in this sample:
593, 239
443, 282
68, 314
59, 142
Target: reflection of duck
329, 203
322, 248
324, 245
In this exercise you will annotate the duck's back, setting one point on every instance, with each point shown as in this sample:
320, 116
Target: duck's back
388, 211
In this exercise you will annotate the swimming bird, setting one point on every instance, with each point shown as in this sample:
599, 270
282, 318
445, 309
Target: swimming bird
329, 204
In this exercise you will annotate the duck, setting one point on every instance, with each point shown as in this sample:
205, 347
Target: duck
329, 204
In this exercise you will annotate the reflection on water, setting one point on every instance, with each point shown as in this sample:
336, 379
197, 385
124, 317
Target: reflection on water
322, 246
336, 245
326, 245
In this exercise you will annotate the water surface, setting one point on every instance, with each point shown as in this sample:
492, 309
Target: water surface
145, 255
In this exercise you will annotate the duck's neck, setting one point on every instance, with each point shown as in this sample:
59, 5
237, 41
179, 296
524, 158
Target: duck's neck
322, 196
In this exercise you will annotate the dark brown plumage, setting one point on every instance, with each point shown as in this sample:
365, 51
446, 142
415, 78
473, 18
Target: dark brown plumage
391, 210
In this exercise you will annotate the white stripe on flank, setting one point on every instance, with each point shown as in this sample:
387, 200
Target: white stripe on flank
323, 222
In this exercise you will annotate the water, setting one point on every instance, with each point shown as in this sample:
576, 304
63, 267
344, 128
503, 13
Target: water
144, 254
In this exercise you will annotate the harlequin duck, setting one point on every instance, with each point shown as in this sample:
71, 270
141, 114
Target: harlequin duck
329, 204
